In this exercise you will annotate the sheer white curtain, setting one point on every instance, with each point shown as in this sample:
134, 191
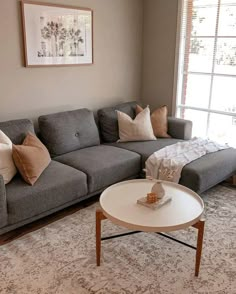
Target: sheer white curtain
206, 80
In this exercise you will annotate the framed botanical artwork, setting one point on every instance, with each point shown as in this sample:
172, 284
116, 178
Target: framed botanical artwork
56, 35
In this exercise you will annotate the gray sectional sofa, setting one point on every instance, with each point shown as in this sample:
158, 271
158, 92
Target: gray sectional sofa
86, 159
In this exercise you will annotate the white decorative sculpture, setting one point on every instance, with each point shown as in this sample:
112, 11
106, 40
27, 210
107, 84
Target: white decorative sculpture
158, 190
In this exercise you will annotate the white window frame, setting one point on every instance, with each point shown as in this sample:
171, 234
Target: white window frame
178, 76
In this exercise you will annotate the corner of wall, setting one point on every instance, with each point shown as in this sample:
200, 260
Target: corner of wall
158, 52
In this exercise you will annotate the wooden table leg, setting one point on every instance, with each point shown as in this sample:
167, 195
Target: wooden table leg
200, 226
234, 180
99, 217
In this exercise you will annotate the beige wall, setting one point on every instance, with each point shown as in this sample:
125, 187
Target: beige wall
114, 77
159, 39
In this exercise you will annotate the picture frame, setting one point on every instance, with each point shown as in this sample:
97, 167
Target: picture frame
56, 35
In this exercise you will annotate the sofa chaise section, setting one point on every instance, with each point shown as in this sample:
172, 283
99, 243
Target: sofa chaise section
199, 175
209, 170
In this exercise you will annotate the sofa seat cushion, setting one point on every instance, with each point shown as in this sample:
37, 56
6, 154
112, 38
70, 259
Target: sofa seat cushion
57, 185
145, 148
104, 165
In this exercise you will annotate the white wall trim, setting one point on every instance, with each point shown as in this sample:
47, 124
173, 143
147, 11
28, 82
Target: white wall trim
177, 49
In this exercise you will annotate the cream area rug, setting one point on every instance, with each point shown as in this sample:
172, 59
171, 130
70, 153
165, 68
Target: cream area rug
60, 258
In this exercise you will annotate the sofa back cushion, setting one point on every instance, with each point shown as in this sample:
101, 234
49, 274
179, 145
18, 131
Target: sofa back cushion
67, 131
108, 120
17, 130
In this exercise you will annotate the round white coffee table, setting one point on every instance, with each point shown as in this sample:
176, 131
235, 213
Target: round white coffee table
119, 205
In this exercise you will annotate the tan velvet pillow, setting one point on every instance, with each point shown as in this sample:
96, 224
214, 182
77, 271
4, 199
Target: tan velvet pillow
31, 158
159, 121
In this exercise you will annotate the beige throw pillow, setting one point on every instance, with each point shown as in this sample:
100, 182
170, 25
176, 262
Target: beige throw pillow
31, 158
159, 121
7, 166
139, 129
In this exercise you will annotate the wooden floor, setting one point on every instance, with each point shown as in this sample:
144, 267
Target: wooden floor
17, 233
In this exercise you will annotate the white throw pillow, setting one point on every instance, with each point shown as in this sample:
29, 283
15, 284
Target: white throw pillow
139, 129
7, 166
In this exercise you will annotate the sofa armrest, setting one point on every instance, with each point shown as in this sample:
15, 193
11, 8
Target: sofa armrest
3, 203
179, 128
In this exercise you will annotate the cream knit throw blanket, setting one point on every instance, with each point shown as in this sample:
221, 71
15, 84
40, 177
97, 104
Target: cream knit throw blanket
168, 162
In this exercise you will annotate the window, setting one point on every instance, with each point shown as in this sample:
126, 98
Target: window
206, 82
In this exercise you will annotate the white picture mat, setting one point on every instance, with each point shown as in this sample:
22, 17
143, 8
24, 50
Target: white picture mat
33, 15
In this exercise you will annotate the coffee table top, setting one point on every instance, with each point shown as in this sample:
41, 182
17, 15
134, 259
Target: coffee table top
119, 204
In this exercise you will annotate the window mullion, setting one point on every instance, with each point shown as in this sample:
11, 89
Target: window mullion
232, 114
189, 13
213, 65
209, 74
